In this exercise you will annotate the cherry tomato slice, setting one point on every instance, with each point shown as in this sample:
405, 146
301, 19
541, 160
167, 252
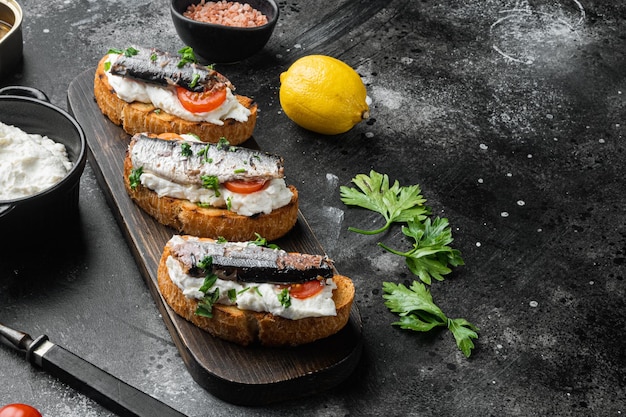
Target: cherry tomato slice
19, 410
200, 102
244, 187
305, 289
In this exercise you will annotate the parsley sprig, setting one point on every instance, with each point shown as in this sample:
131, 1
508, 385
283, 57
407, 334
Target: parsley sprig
395, 203
418, 312
430, 257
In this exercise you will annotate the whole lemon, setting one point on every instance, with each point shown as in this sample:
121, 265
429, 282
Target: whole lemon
323, 94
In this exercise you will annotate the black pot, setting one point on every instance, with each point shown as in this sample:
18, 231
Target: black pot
56, 207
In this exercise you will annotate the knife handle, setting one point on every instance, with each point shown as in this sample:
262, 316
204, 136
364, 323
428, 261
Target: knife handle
111, 392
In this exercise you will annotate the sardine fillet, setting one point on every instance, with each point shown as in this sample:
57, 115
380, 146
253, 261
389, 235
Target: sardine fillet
227, 163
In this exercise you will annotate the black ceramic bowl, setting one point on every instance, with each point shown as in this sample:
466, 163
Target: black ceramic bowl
56, 206
224, 44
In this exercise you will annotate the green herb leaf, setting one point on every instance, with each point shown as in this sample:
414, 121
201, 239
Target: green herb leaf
194, 80
232, 295
135, 177
417, 299
204, 152
209, 281
463, 332
431, 254
130, 51
185, 149
205, 306
187, 56
261, 241
223, 143
395, 203
418, 312
284, 298
211, 182
205, 263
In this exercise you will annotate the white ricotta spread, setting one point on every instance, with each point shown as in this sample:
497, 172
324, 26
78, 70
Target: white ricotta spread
261, 297
29, 163
165, 98
273, 195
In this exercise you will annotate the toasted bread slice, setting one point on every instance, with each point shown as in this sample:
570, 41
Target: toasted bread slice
245, 327
189, 218
141, 117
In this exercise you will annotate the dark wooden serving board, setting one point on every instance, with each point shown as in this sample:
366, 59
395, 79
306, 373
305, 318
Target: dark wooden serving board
240, 375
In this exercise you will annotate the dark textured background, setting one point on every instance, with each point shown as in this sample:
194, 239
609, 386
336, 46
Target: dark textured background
509, 114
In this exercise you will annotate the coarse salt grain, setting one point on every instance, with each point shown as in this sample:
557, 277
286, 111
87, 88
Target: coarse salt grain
226, 13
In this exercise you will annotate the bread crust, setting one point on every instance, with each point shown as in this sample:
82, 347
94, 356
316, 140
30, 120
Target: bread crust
246, 327
189, 218
141, 117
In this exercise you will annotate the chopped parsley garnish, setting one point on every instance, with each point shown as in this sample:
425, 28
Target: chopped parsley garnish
222, 143
203, 153
185, 149
261, 241
239, 171
187, 56
211, 182
153, 56
209, 280
205, 263
194, 80
128, 52
284, 298
135, 177
205, 306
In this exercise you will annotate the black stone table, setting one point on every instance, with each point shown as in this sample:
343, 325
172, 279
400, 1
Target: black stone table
511, 117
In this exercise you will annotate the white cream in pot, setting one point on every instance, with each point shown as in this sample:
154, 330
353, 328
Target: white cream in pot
29, 163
